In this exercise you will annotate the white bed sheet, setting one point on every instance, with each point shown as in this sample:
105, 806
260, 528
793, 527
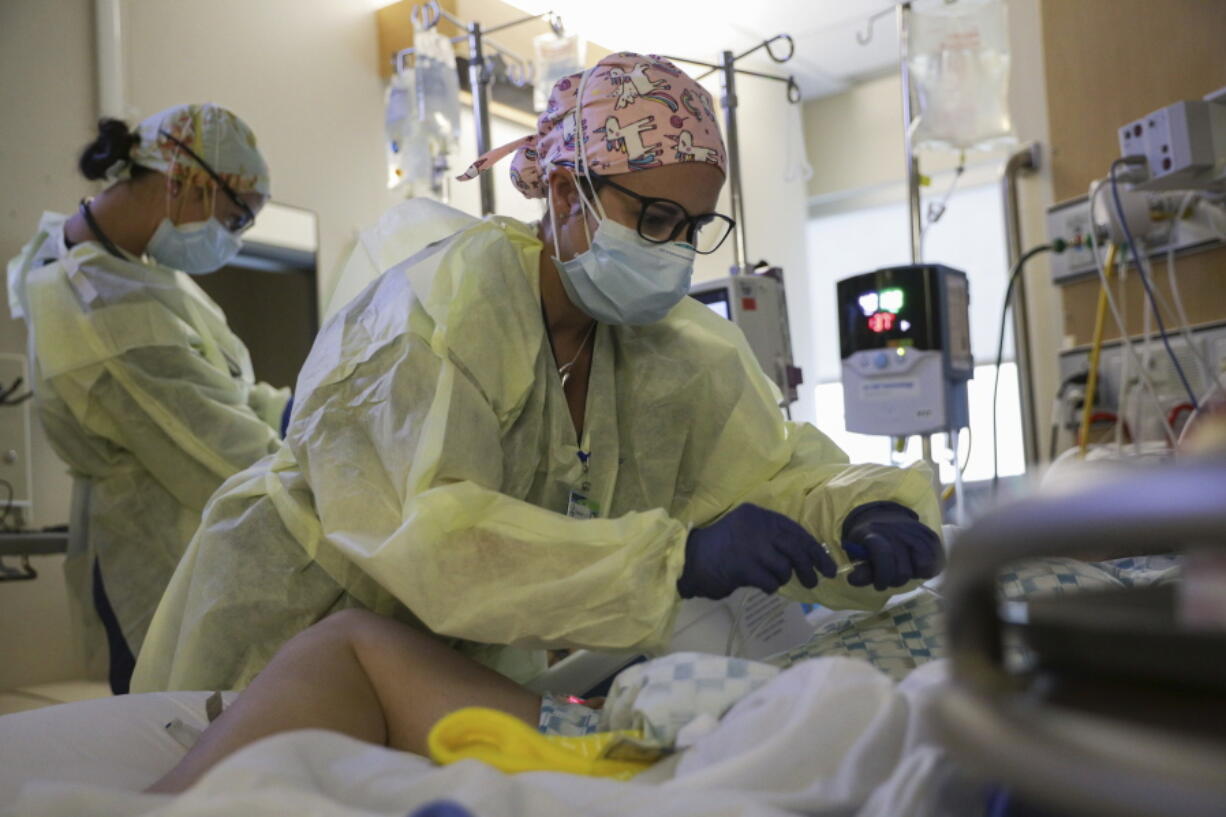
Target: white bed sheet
830, 736
119, 742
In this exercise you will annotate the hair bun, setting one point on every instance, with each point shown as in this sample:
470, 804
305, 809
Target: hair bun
113, 144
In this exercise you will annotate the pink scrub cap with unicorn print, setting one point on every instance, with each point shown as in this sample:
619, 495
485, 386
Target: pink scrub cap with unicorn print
637, 112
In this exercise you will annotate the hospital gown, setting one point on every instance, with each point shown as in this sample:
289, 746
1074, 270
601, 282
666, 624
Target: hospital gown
148, 397
430, 460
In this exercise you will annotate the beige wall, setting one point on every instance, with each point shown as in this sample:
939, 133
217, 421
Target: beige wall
46, 49
855, 138
300, 72
855, 142
47, 96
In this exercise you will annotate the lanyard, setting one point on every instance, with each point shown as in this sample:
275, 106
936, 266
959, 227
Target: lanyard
580, 504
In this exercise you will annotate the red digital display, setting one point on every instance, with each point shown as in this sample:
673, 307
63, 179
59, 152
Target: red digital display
882, 322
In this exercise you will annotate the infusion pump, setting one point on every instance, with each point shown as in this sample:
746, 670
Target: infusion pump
904, 336
757, 304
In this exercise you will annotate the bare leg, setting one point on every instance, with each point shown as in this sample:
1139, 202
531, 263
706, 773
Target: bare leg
368, 677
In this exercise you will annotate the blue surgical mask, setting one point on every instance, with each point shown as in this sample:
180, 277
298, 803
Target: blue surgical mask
197, 248
624, 279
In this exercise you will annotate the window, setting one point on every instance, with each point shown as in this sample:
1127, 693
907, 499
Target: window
845, 239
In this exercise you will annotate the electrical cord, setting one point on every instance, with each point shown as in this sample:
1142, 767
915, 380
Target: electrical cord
970, 444
1125, 340
1149, 289
1185, 326
1192, 418
1177, 296
1121, 396
1014, 274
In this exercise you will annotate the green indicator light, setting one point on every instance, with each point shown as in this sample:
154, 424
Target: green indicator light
891, 300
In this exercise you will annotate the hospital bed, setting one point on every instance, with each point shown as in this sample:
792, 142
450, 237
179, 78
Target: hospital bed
830, 736
1109, 703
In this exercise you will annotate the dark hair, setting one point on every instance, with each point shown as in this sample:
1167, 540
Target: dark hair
113, 143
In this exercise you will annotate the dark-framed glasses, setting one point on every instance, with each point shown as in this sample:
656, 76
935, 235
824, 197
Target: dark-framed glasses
663, 220
234, 225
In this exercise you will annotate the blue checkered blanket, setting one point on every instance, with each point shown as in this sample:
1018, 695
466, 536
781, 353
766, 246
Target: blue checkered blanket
664, 696
911, 632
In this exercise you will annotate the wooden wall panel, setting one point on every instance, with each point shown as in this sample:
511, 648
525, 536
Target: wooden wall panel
1110, 61
1202, 279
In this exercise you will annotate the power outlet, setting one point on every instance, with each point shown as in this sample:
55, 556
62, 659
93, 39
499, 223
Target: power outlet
1184, 145
1072, 221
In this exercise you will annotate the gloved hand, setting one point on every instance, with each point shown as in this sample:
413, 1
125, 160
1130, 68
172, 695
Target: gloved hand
895, 545
750, 547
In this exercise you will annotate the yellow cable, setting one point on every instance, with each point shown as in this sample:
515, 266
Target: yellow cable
1100, 323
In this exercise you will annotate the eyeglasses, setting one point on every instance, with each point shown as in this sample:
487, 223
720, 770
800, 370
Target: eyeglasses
237, 224
664, 220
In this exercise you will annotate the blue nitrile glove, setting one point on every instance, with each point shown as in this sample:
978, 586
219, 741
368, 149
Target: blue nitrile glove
442, 808
895, 546
750, 547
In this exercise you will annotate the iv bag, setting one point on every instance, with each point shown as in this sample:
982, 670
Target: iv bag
958, 54
398, 107
556, 57
410, 154
438, 88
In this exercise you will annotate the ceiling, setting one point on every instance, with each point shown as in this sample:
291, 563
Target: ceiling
828, 57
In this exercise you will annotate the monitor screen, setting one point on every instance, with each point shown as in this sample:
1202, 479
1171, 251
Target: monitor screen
890, 308
717, 300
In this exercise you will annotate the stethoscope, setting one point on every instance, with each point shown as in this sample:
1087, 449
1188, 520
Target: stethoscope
97, 230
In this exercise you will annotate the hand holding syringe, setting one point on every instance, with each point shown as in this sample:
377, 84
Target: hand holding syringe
755, 547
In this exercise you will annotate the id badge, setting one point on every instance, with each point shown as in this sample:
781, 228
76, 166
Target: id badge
581, 506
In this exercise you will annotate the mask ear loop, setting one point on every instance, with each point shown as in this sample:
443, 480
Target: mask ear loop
581, 143
553, 218
585, 206
553, 221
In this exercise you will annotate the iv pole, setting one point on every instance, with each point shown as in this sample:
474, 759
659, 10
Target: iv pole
727, 65
480, 71
914, 217
902, 12
1026, 159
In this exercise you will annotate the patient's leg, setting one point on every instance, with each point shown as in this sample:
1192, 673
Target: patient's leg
369, 677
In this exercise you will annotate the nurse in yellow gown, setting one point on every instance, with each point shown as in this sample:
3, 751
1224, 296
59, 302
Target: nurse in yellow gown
139, 383
525, 437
